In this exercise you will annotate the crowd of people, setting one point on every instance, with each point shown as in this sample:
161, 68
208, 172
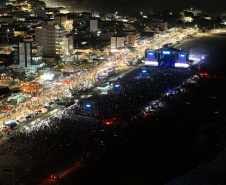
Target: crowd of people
65, 131
83, 79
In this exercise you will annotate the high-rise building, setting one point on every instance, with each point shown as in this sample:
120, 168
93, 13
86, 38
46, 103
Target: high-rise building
27, 55
53, 39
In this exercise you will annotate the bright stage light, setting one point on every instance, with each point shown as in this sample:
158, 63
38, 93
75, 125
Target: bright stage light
181, 65
151, 63
166, 52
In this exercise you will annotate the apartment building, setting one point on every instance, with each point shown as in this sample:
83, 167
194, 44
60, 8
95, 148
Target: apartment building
53, 39
27, 55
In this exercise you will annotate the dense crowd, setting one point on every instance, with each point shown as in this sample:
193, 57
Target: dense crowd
138, 93
65, 131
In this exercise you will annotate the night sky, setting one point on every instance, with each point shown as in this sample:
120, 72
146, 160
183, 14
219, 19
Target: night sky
131, 6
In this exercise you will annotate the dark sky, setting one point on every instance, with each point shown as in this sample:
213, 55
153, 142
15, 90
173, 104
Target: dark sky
127, 6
